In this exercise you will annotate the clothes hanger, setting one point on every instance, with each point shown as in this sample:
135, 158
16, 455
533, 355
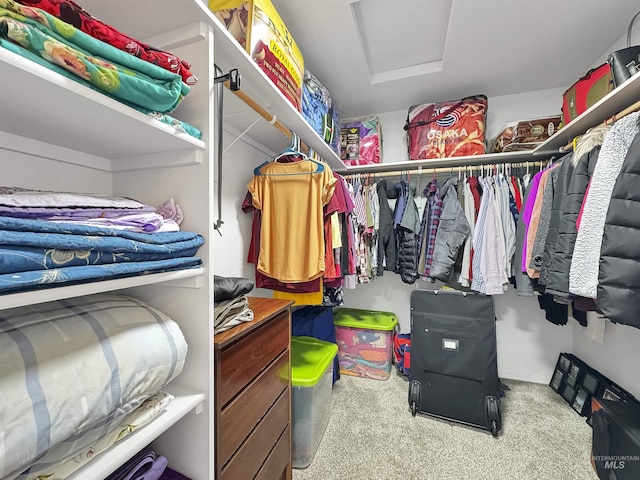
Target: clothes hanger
295, 150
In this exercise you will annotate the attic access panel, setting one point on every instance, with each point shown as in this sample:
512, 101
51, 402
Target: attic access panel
401, 39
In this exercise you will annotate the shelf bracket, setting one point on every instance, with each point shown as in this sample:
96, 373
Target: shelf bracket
233, 77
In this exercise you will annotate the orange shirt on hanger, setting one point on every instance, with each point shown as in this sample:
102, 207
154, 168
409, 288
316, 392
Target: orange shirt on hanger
291, 197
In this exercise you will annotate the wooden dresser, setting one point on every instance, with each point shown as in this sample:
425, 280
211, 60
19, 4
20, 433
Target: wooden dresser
253, 395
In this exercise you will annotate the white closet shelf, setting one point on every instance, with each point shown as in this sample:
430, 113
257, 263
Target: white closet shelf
189, 278
50, 108
470, 160
620, 98
228, 55
110, 460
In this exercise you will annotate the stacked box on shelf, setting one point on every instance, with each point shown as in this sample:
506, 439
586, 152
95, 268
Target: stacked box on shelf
365, 342
258, 28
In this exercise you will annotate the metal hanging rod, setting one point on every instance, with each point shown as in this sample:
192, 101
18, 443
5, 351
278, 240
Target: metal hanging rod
444, 170
264, 113
451, 162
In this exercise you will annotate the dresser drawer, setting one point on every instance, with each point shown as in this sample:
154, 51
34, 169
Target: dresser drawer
252, 454
245, 411
242, 361
274, 467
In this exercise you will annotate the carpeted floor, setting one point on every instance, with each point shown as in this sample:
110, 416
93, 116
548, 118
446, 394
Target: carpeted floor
371, 435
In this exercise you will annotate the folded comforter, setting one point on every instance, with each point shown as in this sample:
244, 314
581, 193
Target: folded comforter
36, 254
67, 457
77, 365
121, 75
72, 13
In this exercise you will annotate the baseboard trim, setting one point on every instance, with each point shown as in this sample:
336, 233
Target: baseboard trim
525, 377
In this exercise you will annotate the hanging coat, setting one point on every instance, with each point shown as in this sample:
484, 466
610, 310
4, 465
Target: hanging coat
387, 251
560, 189
583, 276
584, 160
618, 288
453, 230
407, 234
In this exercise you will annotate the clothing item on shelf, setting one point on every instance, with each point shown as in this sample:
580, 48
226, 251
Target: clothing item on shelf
232, 312
71, 13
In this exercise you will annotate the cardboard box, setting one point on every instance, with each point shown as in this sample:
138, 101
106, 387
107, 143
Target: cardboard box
256, 25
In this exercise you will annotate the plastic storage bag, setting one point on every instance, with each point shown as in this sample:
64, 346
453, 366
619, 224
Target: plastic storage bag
361, 140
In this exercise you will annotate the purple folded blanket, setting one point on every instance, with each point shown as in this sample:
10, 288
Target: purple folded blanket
145, 465
172, 475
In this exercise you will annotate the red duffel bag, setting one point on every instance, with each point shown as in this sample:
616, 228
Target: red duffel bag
586, 92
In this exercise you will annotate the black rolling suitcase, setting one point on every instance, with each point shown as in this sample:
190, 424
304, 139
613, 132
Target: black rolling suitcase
454, 368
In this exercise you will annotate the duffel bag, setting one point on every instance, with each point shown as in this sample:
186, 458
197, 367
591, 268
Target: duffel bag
587, 91
447, 129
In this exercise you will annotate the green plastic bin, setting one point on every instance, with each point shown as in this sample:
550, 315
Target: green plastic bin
311, 382
365, 342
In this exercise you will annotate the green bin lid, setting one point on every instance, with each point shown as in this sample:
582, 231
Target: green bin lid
310, 358
369, 319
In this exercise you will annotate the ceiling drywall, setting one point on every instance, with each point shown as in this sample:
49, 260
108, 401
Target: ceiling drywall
491, 47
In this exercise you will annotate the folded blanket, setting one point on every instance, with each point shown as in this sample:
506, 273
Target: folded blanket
75, 15
173, 475
120, 213
139, 222
230, 313
164, 118
145, 465
106, 68
32, 280
10, 224
78, 365
24, 197
69, 456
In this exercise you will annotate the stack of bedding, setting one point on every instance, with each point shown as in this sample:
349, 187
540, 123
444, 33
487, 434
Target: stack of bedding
54, 238
77, 376
137, 79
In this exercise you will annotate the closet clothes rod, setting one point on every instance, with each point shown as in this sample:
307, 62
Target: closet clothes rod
451, 162
264, 113
443, 170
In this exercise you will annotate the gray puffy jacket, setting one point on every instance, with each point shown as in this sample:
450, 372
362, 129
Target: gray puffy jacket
453, 230
557, 279
560, 189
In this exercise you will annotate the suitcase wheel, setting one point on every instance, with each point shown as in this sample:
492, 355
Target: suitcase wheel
414, 396
493, 415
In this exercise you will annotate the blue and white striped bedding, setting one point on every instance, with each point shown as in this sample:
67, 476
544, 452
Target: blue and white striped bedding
72, 366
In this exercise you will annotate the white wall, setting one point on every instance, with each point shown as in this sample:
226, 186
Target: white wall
618, 357
232, 246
